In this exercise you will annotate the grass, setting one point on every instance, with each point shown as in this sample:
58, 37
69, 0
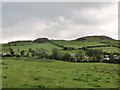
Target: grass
76, 44
108, 49
35, 73
47, 46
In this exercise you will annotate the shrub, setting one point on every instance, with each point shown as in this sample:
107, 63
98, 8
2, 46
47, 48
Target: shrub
67, 57
95, 55
41, 86
17, 55
12, 52
30, 50
27, 54
79, 56
56, 54
22, 53
41, 53
33, 53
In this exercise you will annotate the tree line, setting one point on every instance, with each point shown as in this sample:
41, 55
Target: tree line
91, 55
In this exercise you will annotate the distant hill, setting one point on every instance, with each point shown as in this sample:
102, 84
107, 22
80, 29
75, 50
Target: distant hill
41, 40
38, 40
104, 43
95, 38
101, 39
21, 41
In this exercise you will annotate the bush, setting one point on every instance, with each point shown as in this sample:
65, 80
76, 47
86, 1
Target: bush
33, 53
69, 48
17, 55
95, 55
41, 53
30, 50
12, 52
79, 56
22, 53
67, 57
56, 54
27, 54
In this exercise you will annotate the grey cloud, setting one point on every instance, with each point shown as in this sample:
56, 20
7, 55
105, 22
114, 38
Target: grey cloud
58, 20
14, 12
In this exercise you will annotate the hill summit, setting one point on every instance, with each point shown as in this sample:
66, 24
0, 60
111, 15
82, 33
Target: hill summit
95, 38
41, 40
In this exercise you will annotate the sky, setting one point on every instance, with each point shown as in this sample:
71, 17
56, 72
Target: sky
58, 20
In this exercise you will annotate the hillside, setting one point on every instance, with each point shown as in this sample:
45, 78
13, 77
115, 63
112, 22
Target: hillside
41, 40
41, 66
98, 39
20, 42
101, 39
95, 38
105, 43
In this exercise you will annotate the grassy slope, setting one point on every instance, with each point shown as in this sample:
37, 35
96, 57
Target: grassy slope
48, 46
101, 39
108, 49
20, 73
79, 44
88, 41
76, 44
23, 46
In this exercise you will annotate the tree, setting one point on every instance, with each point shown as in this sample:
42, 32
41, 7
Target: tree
22, 53
56, 54
79, 56
12, 52
27, 54
67, 57
18, 50
111, 56
33, 53
95, 55
30, 50
41, 53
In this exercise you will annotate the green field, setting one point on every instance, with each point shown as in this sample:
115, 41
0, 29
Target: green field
76, 44
35, 73
108, 49
49, 46
23, 46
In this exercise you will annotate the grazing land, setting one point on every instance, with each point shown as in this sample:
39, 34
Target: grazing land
35, 73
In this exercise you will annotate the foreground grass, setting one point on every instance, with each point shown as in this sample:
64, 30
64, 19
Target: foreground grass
33, 73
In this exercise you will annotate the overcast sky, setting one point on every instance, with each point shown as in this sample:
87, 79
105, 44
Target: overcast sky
70, 20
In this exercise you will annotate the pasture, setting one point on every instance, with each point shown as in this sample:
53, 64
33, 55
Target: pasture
76, 44
23, 46
49, 46
35, 73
